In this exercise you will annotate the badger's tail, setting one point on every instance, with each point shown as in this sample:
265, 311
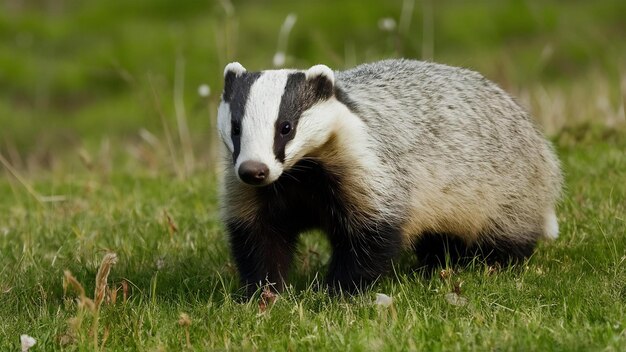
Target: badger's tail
551, 225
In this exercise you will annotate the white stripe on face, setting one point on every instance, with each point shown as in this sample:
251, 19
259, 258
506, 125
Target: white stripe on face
258, 124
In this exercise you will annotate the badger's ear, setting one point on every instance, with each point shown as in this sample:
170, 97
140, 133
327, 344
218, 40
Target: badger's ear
322, 79
321, 71
231, 71
235, 68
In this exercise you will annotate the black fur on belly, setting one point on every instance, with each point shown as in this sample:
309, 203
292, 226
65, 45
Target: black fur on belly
310, 197
436, 250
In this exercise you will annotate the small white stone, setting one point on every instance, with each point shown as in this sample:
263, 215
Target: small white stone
456, 299
383, 300
204, 90
27, 342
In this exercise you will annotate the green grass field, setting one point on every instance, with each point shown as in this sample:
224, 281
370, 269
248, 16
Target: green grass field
95, 159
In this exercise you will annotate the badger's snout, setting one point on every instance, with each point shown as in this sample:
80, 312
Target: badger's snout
253, 172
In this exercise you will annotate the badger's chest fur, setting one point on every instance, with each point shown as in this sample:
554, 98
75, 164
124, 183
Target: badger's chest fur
390, 155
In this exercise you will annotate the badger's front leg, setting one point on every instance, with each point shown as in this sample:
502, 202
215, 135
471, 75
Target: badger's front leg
262, 254
361, 256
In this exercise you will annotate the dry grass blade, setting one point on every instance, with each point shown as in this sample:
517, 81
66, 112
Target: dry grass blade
166, 131
83, 300
38, 197
181, 117
171, 225
20, 179
457, 287
267, 299
105, 337
185, 321
113, 295
101, 278
70, 280
283, 36
125, 290
446, 274
92, 305
86, 158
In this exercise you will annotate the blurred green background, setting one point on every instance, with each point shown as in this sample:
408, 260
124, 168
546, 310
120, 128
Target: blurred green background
83, 79
106, 144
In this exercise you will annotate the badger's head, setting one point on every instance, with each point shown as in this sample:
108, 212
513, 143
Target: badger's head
269, 120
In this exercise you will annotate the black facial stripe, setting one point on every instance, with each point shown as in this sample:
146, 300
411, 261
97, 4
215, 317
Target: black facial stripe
236, 92
345, 99
299, 96
228, 86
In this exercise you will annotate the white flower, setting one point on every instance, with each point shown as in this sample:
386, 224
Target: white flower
160, 263
383, 300
279, 59
204, 90
387, 24
27, 342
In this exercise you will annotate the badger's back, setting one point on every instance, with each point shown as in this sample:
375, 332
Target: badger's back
464, 157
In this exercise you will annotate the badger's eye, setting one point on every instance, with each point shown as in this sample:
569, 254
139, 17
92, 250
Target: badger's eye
285, 128
236, 128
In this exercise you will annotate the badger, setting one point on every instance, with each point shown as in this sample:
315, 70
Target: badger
383, 157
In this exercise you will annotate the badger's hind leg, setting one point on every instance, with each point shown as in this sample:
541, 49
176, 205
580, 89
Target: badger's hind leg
361, 256
435, 250
505, 250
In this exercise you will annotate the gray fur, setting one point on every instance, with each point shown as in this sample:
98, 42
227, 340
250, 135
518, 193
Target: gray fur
446, 134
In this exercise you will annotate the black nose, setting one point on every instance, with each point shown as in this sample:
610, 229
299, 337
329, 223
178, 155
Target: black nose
253, 172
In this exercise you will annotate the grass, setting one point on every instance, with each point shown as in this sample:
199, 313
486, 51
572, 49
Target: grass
570, 296
94, 162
